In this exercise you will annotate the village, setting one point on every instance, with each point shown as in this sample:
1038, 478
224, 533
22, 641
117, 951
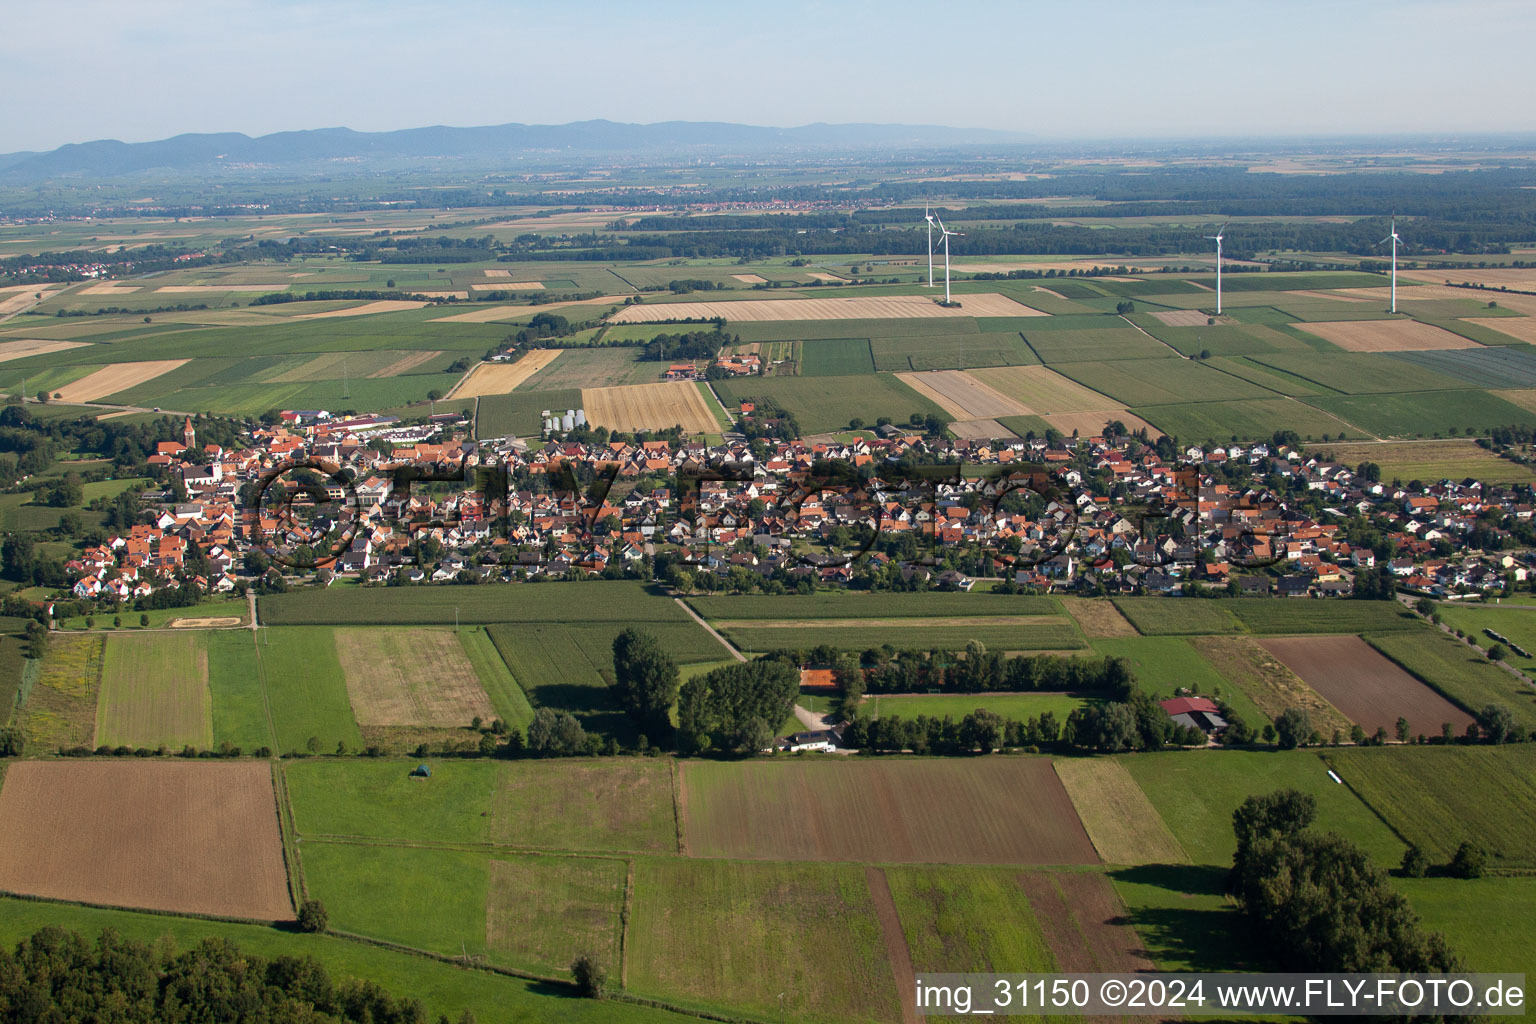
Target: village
368, 499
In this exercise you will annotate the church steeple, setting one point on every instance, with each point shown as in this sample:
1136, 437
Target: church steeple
189, 436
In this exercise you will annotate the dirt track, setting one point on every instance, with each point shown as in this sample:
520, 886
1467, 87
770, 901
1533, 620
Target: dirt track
191, 837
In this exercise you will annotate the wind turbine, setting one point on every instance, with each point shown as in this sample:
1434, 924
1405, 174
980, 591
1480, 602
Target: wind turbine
1217, 237
946, 233
1393, 238
928, 216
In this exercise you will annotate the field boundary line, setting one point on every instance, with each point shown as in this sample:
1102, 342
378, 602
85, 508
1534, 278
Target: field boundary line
152, 911
625, 914
298, 889
711, 629
1154, 337
679, 811
1334, 768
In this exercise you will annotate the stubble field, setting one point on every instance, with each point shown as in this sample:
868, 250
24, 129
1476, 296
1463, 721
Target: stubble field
650, 407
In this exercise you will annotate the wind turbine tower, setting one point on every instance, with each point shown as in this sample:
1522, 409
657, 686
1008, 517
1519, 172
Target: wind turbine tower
1217, 237
946, 233
928, 216
1393, 238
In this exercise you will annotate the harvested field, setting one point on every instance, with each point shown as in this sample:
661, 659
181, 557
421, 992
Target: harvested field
1044, 391
493, 313
1269, 683
817, 275
1121, 821
1518, 278
502, 378
1387, 336
509, 286
25, 347
109, 380
444, 294
985, 430
154, 690
406, 364
381, 306
416, 677
1089, 424
1358, 680
962, 395
1097, 618
1522, 327
650, 407
885, 307
21, 300
1182, 317
1084, 922
202, 289
106, 288
981, 811
182, 836
750, 279
492, 272
1335, 296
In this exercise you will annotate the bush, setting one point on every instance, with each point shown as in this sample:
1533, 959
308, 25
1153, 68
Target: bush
589, 975
1470, 862
312, 916
1415, 864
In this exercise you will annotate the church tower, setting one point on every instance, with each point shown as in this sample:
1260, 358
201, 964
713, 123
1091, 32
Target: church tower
189, 436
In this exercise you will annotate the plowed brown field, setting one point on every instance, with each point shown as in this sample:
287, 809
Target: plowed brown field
650, 407
166, 835
1364, 684
969, 811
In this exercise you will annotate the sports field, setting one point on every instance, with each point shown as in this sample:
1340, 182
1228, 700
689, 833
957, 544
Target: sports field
952, 811
164, 835
1370, 690
650, 407
154, 691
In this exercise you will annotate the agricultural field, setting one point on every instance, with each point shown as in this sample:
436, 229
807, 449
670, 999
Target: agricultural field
1261, 682
1509, 367
1441, 796
410, 677
519, 414
962, 396
592, 368
1282, 616
836, 357
1196, 792
1044, 391
1484, 919
500, 378
1123, 825
844, 604
180, 836
1145, 382
1156, 616
1251, 420
651, 407
1163, 665
1029, 633
1358, 373
841, 308
542, 602
1450, 459
1097, 619
1367, 688
1387, 336
1423, 414
1103, 342
1456, 671
965, 918
609, 805
306, 690
1085, 922
1516, 621
154, 691
957, 352
796, 940
829, 403
883, 811
57, 706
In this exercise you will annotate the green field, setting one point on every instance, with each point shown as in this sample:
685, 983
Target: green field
781, 940
952, 352
444, 988
1518, 622
849, 604
616, 804
1106, 342
1196, 793
1457, 671
306, 690
964, 918
828, 403
1042, 636
154, 692
1282, 616
593, 368
1012, 706
60, 710
1427, 413
836, 357
590, 601
1439, 797
506, 695
1164, 664
1486, 920
1142, 382
239, 703
1221, 339
1160, 616
517, 414
1253, 420
1359, 373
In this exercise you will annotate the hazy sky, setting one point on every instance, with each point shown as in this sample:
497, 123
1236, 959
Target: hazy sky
76, 70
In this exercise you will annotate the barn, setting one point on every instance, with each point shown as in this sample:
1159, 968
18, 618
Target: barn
1196, 712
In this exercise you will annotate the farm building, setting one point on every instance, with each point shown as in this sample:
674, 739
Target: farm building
1196, 712
823, 740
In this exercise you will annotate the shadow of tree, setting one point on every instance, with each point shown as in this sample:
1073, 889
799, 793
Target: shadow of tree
1184, 917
